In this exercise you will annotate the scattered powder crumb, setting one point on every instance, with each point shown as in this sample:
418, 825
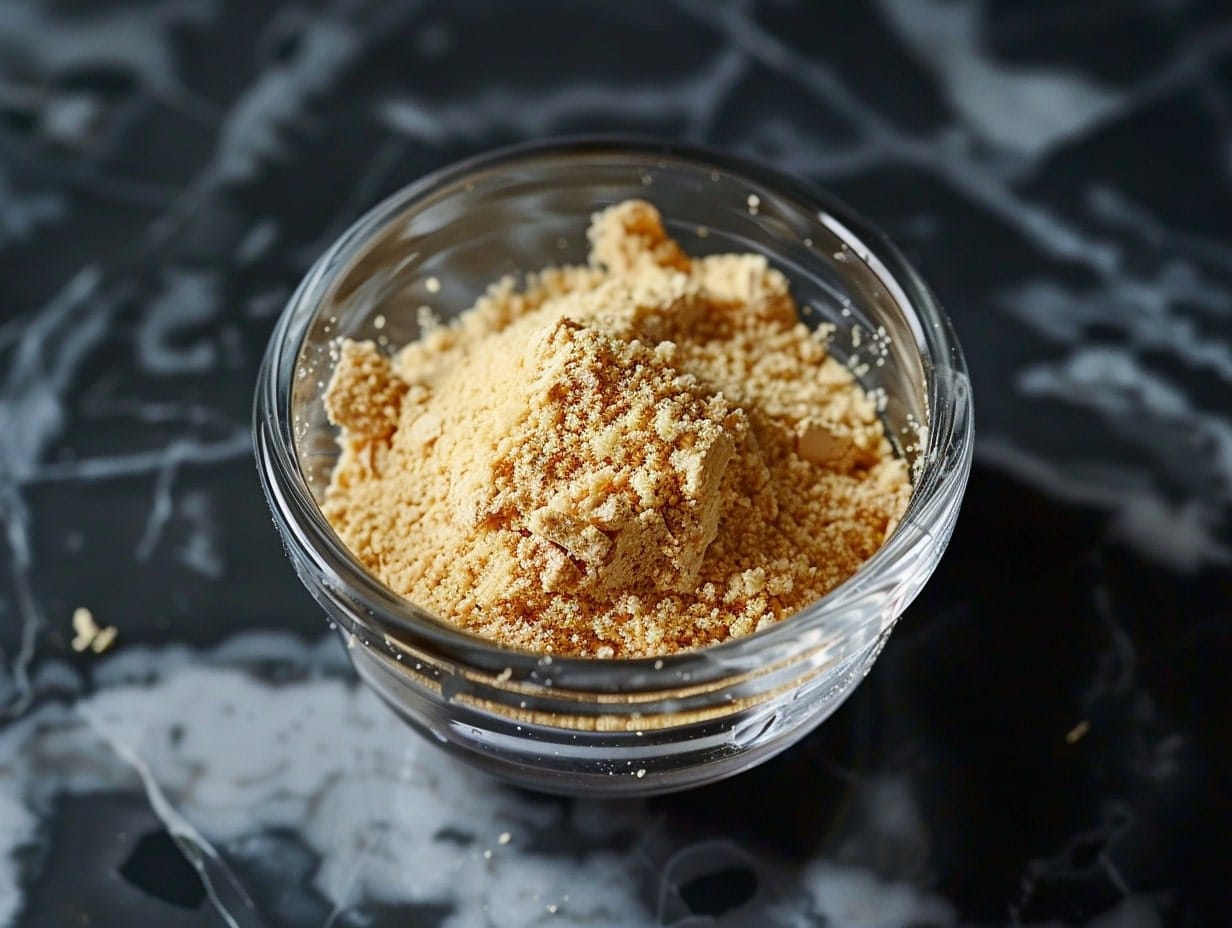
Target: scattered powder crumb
89, 634
1078, 732
643, 455
505, 838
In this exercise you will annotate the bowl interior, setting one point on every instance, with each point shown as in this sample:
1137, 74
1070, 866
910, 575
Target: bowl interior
429, 256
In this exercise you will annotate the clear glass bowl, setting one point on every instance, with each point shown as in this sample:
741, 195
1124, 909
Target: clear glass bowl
612, 727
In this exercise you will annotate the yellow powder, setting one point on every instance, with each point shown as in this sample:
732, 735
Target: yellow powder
88, 634
645, 455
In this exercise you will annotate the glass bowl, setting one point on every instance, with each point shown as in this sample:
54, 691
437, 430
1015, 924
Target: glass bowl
613, 726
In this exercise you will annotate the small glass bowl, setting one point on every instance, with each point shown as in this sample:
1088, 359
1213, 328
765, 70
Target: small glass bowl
613, 727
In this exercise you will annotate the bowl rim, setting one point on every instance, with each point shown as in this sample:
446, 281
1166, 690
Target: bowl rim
936, 491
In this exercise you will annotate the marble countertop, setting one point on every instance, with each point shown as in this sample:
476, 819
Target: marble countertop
1044, 740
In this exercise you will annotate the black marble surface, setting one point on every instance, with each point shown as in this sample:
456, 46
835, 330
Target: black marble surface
1045, 739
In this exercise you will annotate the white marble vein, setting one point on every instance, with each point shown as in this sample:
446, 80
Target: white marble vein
1026, 111
223, 756
49, 345
186, 301
219, 882
47, 350
130, 38
1192, 447
43, 360
693, 99
22, 211
251, 131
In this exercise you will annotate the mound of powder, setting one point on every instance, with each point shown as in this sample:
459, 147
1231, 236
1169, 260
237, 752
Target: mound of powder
648, 454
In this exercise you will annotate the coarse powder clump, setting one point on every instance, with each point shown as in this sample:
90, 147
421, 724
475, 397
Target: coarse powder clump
645, 455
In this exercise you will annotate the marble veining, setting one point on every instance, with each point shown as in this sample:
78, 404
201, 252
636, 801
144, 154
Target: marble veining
1039, 744
390, 818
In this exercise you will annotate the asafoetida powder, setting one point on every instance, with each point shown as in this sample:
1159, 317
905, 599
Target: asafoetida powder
647, 454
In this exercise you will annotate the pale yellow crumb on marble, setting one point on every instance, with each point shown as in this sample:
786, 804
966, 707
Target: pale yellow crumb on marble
88, 634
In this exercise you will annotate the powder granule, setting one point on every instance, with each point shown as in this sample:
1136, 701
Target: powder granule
640, 456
